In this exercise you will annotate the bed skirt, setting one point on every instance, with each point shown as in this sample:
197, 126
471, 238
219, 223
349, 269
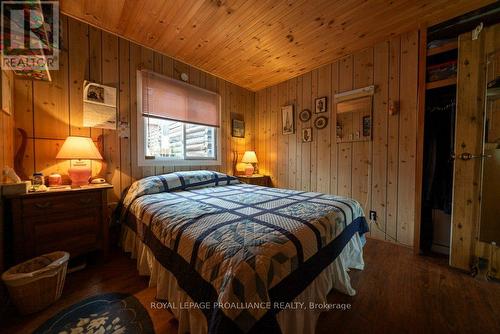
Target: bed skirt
192, 320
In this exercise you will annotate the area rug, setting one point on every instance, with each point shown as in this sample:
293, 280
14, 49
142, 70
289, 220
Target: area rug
106, 313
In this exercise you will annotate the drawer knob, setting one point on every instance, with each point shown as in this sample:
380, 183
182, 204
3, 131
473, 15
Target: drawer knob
43, 205
85, 200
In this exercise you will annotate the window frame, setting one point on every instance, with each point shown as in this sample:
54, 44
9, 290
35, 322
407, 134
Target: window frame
141, 140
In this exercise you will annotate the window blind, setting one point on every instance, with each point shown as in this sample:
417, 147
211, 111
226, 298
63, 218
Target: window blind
171, 99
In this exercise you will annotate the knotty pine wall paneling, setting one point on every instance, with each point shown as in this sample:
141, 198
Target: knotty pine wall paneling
7, 122
51, 111
380, 173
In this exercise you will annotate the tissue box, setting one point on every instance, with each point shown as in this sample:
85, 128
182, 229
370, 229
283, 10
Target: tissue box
13, 188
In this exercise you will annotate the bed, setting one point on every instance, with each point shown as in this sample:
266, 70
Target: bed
230, 257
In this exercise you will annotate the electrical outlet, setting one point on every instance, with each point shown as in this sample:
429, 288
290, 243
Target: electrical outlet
373, 215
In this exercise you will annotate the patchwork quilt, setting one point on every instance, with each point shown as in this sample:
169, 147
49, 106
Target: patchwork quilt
233, 244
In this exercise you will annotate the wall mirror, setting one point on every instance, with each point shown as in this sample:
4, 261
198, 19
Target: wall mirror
354, 115
489, 230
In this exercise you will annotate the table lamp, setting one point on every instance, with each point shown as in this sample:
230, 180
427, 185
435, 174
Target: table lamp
250, 158
78, 149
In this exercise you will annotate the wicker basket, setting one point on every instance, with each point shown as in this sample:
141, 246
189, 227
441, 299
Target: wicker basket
35, 284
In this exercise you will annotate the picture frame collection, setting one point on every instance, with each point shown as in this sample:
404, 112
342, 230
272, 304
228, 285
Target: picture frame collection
305, 115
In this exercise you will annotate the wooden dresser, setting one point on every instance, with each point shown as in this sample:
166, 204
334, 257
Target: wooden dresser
257, 179
69, 220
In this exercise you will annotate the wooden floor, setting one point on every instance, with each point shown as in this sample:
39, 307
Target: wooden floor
397, 292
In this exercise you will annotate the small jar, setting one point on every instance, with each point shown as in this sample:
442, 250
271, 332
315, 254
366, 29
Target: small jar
55, 180
38, 179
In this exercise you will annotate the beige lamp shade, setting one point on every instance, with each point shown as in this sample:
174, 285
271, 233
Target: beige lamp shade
249, 157
81, 148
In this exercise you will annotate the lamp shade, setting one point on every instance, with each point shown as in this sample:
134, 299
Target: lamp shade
81, 148
249, 157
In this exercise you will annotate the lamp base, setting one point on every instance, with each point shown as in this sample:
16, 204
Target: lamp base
79, 174
249, 170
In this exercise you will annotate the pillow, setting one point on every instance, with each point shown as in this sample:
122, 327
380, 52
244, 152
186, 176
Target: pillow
177, 181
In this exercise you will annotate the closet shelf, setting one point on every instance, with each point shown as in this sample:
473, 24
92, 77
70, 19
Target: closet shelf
443, 48
441, 83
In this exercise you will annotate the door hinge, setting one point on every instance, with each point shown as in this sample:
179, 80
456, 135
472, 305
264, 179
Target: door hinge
468, 156
477, 31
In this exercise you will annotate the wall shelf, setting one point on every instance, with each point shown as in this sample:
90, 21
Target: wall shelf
443, 48
441, 83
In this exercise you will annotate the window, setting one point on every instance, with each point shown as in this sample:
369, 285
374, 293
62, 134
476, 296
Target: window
178, 140
177, 123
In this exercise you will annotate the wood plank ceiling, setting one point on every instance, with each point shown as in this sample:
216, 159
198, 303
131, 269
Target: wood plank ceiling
259, 43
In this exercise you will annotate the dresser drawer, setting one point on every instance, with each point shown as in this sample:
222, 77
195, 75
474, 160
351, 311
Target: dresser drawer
74, 245
263, 180
64, 226
72, 220
73, 203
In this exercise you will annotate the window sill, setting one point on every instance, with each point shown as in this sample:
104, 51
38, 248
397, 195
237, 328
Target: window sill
155, 162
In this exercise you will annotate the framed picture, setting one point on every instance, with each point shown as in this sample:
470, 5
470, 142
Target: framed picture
305, 115
320, 122
367, 126
288, 121
238, 128
320, 105
307, 135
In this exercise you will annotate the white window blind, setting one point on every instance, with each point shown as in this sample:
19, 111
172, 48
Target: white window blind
177, 122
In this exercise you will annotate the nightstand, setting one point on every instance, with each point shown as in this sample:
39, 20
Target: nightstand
256, 179
71, 220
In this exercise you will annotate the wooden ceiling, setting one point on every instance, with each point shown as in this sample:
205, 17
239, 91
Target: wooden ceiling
259, 43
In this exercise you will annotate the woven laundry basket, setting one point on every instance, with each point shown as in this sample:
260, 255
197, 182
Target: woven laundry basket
35, 284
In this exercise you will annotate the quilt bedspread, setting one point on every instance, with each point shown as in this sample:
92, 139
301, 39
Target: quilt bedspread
239, 246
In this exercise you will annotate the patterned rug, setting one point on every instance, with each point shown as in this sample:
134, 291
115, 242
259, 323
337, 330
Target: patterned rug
108, 313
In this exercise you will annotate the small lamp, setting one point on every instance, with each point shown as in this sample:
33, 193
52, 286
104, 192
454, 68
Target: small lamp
79, 148
250, 158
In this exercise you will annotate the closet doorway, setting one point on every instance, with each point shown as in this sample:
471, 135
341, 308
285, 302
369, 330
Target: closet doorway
437, 187
461, 144
439, 141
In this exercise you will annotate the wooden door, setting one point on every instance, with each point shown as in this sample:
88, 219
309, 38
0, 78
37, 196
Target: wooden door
471, 83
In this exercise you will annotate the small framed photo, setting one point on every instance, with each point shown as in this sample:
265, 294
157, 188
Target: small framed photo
307, 135
367, 126
238, 128
320, 105
288, 121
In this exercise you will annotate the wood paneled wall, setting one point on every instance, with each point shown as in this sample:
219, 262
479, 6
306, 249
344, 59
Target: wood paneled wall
49, 112
380, 174
7, 123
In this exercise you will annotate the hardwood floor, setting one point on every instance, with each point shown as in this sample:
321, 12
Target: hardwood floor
397, 292
119, 274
